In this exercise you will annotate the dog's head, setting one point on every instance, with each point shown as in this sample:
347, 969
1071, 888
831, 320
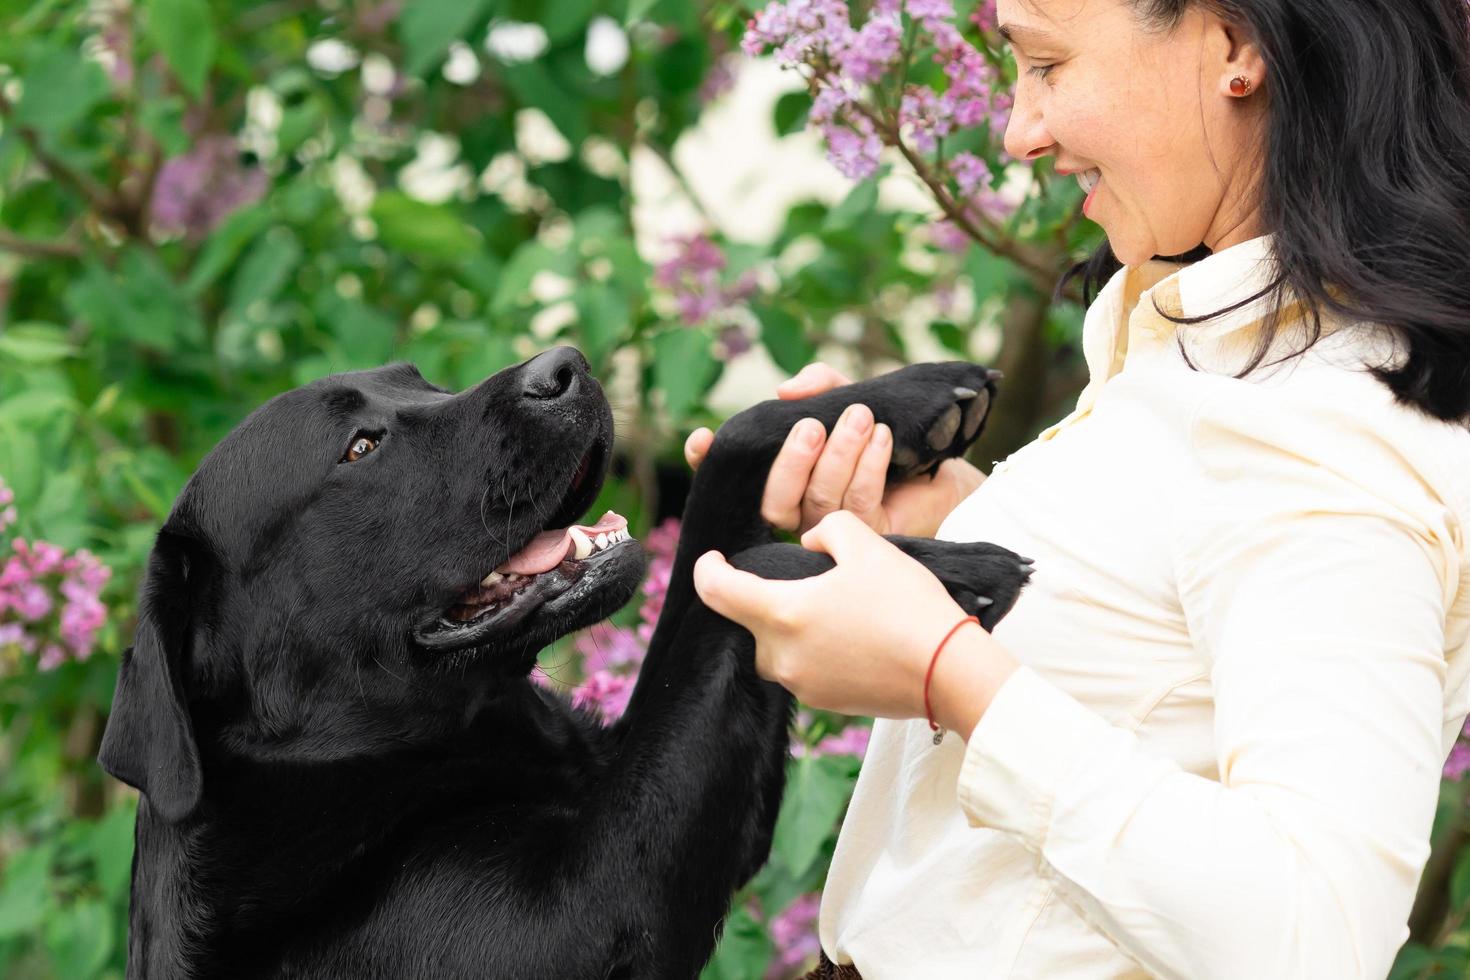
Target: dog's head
369, 557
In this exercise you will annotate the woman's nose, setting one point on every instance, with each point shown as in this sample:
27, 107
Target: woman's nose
1026, 134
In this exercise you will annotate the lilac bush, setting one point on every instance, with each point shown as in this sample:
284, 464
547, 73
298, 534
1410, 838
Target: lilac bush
863, 100
50, 603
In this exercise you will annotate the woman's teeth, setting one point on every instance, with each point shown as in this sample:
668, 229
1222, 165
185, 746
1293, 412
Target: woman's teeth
1089, 179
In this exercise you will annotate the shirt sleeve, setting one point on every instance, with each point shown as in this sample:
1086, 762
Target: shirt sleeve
1313, 567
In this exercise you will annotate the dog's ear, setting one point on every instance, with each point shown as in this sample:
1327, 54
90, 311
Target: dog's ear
149, 742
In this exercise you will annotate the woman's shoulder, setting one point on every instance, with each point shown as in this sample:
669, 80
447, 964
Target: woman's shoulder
1324, 408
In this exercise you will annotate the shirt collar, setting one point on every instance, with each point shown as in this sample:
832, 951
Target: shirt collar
1137, 294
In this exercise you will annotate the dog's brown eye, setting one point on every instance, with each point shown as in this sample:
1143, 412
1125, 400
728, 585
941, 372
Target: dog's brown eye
361, 446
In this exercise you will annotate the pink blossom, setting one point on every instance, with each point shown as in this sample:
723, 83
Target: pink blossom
604, 646
930, 9
606, 692
949, 237
852, 740
196, 191
873, 50
854, 152
52, 656
970, 172
1458, 763
694, 276
793, 932
985, 16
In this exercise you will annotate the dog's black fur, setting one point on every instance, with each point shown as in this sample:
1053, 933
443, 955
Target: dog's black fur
340, 783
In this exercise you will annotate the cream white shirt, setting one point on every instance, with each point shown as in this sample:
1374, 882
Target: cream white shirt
1244, 661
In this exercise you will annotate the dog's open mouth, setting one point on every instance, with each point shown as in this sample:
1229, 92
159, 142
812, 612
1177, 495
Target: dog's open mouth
563, 550
553, 571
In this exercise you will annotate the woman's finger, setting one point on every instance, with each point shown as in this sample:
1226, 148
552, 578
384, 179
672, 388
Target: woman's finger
696, 447
813, 379
834, 469
745, 598
846, 538
864, 496
790, 472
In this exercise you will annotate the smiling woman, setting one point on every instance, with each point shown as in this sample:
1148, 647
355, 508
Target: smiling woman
1206, 742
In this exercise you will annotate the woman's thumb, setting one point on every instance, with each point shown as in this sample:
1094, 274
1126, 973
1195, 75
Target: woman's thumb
728, 591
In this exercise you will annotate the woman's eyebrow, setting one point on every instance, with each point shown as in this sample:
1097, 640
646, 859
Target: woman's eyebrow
1024, 35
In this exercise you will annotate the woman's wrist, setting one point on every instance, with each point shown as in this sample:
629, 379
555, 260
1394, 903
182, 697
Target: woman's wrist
966, 678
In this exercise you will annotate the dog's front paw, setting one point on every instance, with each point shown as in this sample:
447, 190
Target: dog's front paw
985, 579
934, 411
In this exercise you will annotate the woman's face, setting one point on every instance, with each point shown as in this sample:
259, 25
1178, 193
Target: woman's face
1150, 111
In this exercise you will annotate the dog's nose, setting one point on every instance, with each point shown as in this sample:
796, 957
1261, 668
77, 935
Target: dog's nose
553, 373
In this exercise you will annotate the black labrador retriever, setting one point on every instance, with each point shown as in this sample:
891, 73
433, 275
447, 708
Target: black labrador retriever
346, 770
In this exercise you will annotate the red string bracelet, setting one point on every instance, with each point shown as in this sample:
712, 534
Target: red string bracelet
928, 711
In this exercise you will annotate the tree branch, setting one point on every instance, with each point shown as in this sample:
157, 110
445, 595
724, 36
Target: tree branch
37, 249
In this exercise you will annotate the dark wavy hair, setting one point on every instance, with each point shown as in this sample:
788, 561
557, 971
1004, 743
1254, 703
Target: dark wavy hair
1366, 179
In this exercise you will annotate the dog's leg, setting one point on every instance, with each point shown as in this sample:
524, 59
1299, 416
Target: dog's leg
702, 747
934, 410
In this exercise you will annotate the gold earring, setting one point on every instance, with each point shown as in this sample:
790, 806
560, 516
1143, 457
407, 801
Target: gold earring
1240, 85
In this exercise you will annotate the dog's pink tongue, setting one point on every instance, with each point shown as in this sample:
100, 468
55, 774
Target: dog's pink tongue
549, 548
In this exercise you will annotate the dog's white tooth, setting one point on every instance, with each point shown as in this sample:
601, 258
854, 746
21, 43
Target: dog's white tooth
511, 576
601, 541
491, 579
582, 542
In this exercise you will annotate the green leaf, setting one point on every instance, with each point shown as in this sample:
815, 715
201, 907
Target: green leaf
859, 201
603, 319
60, 89
744, 950
430, 230
791, 112
224, 245
183, 31
564, 19
534, 85
265, 270
785, 338
25, 891
1460, 882
35, 343
365, 336
530, 258
112, 849
79, 938
138, 303
817, 790
21, 465
637, 10
427, 27
683, 369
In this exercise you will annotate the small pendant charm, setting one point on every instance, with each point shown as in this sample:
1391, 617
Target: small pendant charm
938, 736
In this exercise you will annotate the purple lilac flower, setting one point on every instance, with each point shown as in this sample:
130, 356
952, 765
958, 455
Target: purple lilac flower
732, 343
852, 740
604, 646
969, 172
198, 190
1458, 763
793, 932
36, 579
694, 276
606, 692
612, 655
854, 151
985, 16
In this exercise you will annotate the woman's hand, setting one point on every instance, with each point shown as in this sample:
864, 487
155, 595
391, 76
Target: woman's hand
815, 475
859, 638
